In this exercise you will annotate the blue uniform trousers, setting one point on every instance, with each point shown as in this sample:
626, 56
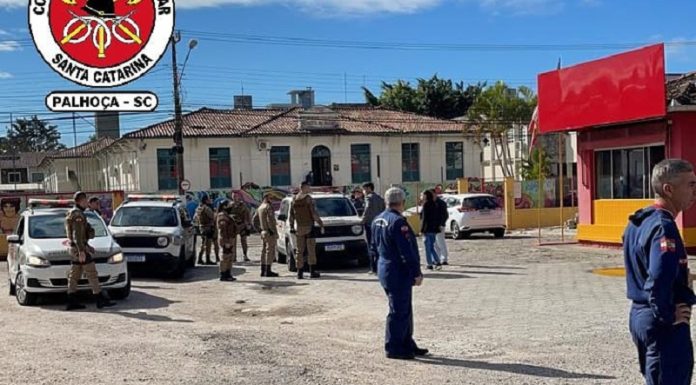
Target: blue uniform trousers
399, 330
665, 351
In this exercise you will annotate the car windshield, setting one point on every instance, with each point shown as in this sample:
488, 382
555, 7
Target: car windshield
335, 207
53, 226
146, 217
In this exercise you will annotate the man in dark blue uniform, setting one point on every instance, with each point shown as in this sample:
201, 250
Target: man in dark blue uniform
658, 278
399, 270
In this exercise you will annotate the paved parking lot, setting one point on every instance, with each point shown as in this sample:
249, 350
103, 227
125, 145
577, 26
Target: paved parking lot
505, 312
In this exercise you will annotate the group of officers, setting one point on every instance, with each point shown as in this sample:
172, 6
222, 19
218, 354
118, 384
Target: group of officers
658, 278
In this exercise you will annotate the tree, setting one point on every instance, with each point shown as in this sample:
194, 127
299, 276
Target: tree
435, 97
32, 135
497, 112
537, 165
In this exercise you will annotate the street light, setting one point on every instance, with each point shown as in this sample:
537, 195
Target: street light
178, 120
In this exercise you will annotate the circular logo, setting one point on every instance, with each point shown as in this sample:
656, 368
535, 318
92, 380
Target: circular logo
101, 43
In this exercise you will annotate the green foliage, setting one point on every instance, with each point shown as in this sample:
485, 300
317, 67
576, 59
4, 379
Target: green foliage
31, 135
435, 97
500, 108
537, 164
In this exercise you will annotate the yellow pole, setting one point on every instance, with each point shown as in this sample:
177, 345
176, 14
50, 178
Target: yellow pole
560, 168
101, 43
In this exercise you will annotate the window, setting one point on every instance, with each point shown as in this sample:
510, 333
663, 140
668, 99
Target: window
626, 173
410, 162
37, 177
454, 159
280, 166
53, 226
146, 217
14, 176
361, 168
220, 168
166, 170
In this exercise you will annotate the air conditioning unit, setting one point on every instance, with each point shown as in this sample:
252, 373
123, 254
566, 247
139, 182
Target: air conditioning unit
262, 145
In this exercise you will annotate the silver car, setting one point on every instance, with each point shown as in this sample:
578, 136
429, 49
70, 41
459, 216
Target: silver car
39, 256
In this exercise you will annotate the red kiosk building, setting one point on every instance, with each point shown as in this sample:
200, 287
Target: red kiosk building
629, 116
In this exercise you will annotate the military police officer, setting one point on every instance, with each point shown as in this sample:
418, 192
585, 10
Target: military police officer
657, 277
269, 235
226, 239
79, 233
399, 270
242, 220
206, 227
303, 211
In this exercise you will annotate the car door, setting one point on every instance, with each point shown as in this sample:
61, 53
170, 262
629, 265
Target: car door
13, 250
453, 204
283, 230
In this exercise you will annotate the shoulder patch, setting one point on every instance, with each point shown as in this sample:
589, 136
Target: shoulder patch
667, 244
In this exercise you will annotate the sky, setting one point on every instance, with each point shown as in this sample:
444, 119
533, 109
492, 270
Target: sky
269, 47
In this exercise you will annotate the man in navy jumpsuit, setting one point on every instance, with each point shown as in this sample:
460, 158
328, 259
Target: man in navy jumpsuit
657, 276
399, 270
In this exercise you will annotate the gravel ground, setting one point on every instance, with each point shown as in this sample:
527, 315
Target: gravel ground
504, 312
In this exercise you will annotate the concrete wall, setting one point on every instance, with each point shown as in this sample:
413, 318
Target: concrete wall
86, 171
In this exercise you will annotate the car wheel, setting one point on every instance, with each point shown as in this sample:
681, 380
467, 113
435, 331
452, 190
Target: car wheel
180, 269
281, 258
500, 233
292, 265
456, 232
24, 298
123, 293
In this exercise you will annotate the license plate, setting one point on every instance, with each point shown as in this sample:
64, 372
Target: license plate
485, 212
138, 258
335, 247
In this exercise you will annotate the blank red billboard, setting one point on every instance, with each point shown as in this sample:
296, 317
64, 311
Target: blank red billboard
623, 88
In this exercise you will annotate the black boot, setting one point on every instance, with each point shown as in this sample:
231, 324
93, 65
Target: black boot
103, 300
269, 273
227, 277
300, 272
313, 273
200, 260
264, 270
73, 304
208, 261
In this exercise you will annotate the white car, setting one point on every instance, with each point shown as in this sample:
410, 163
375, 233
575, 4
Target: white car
154, 232
474, 213
39, 256
344, 236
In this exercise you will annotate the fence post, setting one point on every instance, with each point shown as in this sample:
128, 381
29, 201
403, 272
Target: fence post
509, 198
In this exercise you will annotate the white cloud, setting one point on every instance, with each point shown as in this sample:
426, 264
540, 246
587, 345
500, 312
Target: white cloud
9, 46
12, 3
323, 6
4, 33
522, 7
5, 75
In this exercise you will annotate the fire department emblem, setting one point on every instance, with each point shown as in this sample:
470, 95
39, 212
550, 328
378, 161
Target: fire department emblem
101, 43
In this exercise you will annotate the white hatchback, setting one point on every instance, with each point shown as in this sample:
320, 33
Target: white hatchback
474, 213
38, 260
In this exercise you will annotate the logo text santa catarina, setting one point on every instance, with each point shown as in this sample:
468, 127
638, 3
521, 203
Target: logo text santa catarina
101, 43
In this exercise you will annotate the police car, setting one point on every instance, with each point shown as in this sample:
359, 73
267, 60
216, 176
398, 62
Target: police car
39, 255
155, 232
343, 238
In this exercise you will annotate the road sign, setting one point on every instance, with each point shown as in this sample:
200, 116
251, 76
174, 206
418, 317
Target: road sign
185, 185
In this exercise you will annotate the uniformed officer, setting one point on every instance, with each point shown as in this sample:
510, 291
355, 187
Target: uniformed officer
657, 277
399, 270
303, 211
205, 219
226, 239
269, 235
79, 233
242, 220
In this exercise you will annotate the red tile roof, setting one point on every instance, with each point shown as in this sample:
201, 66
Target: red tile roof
345, 120
86, 150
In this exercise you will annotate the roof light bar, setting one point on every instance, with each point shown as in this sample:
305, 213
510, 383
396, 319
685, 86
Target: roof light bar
51, 203
153, 198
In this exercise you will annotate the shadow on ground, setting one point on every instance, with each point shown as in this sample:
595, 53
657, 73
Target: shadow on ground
524, 369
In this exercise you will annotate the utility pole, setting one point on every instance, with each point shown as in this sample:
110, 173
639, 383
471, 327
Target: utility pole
178, 122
